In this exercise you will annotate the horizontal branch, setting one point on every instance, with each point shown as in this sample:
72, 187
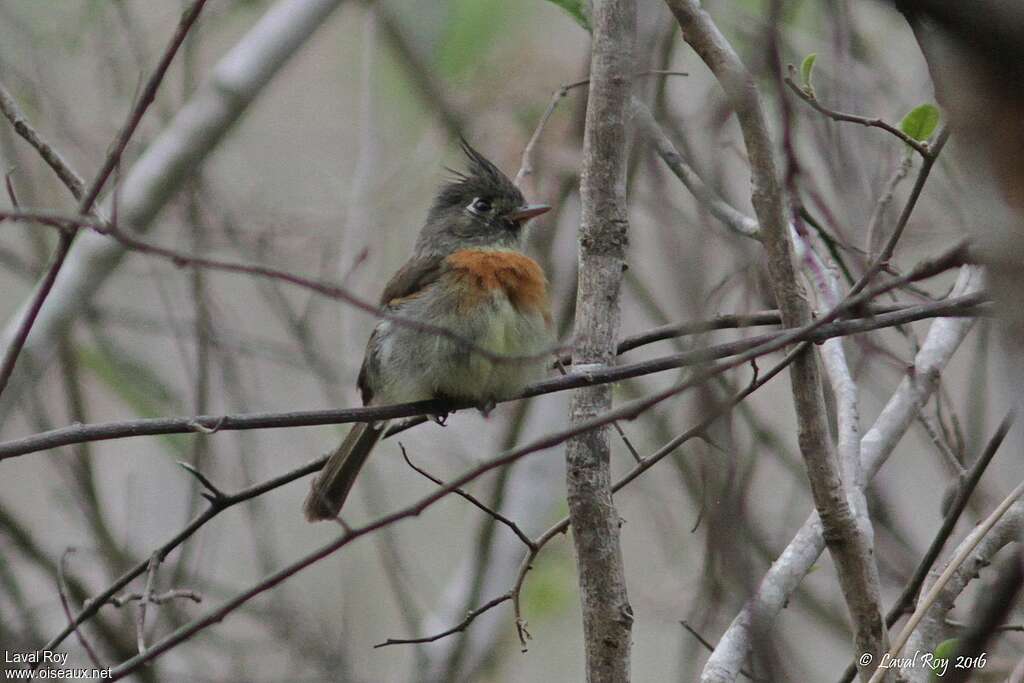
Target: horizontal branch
220, 503
69, 224
208, 424
188, 630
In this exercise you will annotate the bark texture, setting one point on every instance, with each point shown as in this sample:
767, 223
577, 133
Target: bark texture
607, 615
847, 542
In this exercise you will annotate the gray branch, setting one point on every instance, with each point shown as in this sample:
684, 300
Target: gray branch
785, 575
933, 628
159, 173
848, 544
607, 615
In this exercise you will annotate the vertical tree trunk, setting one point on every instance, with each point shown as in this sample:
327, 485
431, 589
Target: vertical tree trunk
607, 615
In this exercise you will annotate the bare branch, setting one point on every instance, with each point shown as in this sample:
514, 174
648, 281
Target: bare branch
62, 589
963, 552
877, 444
562, 526
848, 544
875, 222
458, 628
719, 208
182, 259
956, 508
51, 156
89, 196
811, 98
602, 238
743, 351
708, 645
233, 84
473, 500
882, 260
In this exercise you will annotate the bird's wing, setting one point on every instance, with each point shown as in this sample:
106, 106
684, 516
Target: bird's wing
414, 277
411, 280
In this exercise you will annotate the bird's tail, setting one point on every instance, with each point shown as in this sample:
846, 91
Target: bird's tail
331, 486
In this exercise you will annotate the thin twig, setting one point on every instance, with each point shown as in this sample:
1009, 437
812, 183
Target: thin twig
882, 260
147, 593
526, 163
810, 98
1001, 628
90, 195
963, 552
928, 267
644, 464
92, 606
458, 628
62, 589
472, 499
158, 598
51, 156
878, 213
183, 259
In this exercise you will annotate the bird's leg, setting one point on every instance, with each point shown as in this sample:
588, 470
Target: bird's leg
486, 407
440, 418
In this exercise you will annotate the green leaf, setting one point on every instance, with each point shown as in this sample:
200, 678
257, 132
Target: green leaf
576, 9
946, 650
807, 68
920, 123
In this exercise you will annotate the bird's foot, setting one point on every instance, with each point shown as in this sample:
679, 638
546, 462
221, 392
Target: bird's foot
441, 419
486, 407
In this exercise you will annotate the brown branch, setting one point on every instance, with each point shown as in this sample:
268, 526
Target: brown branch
92, 606
90, 195
562, 525
963, 552
630, 410
188, 630
62, 589
848, 542
458, 628
51, 156
158, 598
472, 499
205, 424
881, 262
28, 319
182, 259
810, 98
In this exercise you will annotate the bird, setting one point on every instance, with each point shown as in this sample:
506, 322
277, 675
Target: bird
467, 275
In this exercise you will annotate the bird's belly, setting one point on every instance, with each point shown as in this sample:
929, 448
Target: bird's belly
505, 331
418, 364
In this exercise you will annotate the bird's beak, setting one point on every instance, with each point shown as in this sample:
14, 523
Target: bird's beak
525, 213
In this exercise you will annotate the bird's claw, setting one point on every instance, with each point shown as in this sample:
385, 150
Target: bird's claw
441, 419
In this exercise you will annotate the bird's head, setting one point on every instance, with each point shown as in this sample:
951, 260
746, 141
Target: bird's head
479, 208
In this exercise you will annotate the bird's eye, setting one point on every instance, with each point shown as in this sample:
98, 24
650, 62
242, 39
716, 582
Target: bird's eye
480, 206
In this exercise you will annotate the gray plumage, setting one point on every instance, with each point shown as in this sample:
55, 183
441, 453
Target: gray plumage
481, 211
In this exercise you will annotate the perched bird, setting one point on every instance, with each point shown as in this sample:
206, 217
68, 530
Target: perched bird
468, 275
